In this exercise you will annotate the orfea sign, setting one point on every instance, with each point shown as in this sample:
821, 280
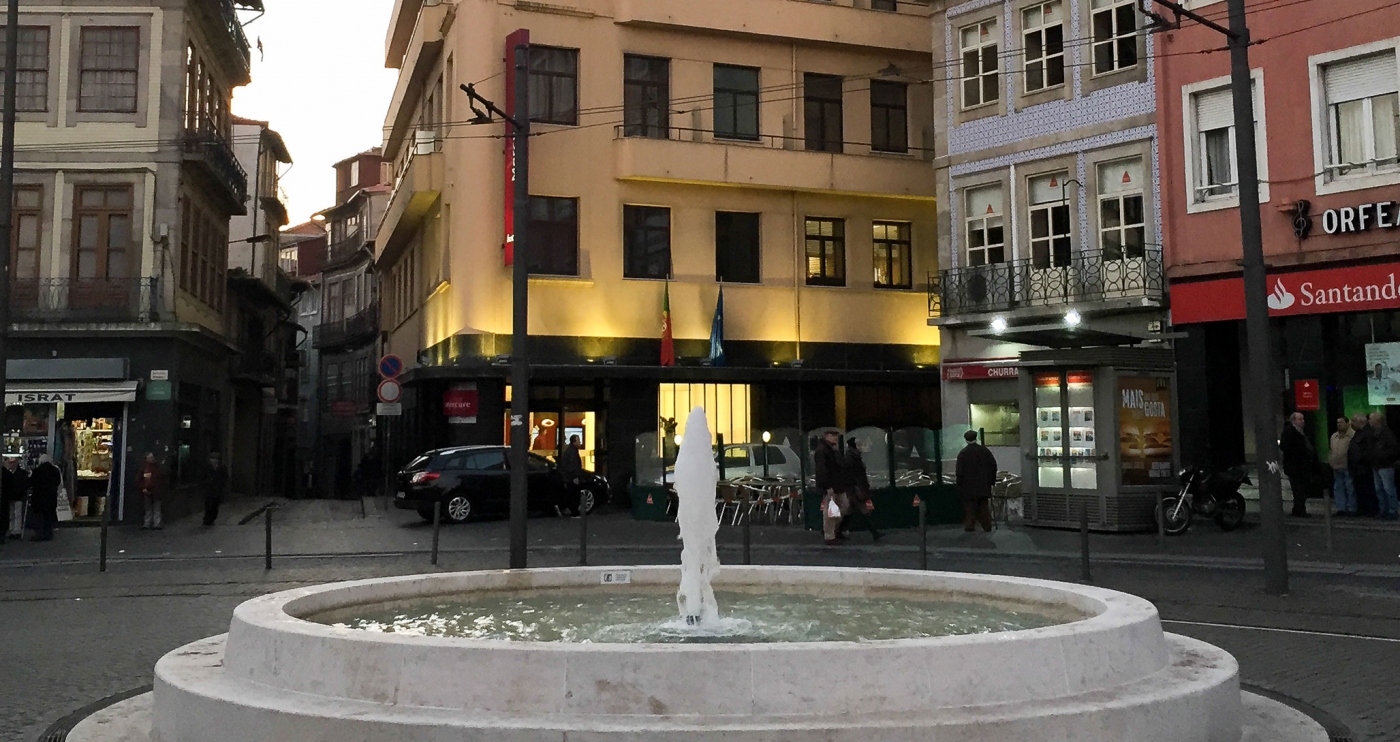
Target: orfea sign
1358, 288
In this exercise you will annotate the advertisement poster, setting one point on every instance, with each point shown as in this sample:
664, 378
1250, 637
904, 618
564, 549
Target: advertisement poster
1145, 429
1383, 374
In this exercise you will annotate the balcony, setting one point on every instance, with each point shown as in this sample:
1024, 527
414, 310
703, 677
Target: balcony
697, 156
418, 184
356, 329
819, 22
960, 295
255, 365
85, 300
212, 152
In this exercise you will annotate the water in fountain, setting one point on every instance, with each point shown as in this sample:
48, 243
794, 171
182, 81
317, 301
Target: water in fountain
695, 513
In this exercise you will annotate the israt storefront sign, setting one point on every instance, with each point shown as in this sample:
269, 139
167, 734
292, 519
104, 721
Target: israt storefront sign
1359, 288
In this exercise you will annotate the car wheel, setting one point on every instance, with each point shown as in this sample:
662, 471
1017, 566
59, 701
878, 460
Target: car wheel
587, 500
458, 509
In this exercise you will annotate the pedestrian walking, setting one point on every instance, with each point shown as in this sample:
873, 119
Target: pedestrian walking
1299, 462
215, 487
1358, 462
859, 496
1343, 487
976, 474
150, 482
1383, 454
571, 469
44, 486
14, 490
831, 482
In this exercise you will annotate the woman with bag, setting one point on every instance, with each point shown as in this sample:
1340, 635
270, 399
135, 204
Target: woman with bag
44, 486
150, 482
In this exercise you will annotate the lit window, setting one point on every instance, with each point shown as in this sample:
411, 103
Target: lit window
893, 245
726, 407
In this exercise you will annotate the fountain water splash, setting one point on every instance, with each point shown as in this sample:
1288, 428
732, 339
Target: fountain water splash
696, 479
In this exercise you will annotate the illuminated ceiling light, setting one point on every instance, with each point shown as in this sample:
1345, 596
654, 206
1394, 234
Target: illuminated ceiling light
1072, 318
998, 325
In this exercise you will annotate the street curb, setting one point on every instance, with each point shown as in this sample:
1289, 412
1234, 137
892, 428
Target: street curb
58, 731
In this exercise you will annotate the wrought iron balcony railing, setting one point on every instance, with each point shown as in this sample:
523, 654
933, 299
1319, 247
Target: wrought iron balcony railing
85, 300
213, 151
360, 327
1085, 278
235, 30
254, 363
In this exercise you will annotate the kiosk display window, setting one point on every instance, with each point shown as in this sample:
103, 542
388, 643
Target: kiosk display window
1049, 431
1083, 451
1066, 430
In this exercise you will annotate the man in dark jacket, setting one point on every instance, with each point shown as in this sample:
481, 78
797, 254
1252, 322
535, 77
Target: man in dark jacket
832, 483
43, 499
859, 494
1383, 454
14, 488
976, 474
1299, 462
571, 469
1358, 462
215, 487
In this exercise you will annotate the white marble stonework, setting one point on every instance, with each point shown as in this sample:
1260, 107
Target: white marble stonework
1108, 674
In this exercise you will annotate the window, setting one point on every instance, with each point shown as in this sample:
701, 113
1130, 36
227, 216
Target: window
736, 102
1122, 224
980, 71
646, 97
727, 406
647, 235
1050, 230
1215, 131
1361, 112
884, 4
892, 255
486, 461
1000, 422
1044, 35
107, 78
554, 85
553, 236
821, 95
32, 78
986, 236
102, 232
1115, 35
332, 382
334, 307
736, 247
889, 116
826, 252
25, 237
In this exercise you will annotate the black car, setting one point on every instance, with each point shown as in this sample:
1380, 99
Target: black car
475, 480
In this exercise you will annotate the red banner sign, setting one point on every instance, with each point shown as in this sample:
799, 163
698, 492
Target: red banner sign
1307, 396
519, 38
460, 402
1358, 288
979, 372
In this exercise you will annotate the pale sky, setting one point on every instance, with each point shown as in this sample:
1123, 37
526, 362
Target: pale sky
321, 83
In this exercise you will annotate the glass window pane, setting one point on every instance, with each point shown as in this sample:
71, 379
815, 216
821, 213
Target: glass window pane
1383, 113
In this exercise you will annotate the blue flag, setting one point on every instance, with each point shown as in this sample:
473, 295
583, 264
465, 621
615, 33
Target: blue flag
717, 332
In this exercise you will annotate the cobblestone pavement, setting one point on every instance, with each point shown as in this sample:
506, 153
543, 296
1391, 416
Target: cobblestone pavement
71, 636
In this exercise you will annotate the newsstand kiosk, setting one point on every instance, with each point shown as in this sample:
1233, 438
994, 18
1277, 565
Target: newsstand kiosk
1097, 432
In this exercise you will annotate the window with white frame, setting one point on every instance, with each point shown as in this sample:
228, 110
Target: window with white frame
1051, 243
1115, 35
1215, 144
980, 66
1362, 105
1122, 223
1043, 31
986, 235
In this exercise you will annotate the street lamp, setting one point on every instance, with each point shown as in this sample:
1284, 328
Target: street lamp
520, 296
1260, 343
767, 436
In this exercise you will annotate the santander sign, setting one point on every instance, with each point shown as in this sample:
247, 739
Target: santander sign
1351, 289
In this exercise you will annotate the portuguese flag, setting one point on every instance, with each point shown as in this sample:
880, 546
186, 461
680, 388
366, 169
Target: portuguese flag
668, 343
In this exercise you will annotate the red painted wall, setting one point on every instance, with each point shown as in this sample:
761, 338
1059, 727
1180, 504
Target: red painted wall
1286, 33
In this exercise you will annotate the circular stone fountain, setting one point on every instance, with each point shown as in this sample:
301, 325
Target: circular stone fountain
1108, 673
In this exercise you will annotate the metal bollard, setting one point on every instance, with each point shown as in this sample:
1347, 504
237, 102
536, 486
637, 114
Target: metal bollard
106, 518
1084, 542
923, 535
748, 541
267, 526
437, 529
1161, 521
1327, 519
582, 533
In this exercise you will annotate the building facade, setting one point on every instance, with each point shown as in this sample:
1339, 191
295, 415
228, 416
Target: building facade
773, 149
303, 252
346, 335
1325, 91
1050, 219
125, 182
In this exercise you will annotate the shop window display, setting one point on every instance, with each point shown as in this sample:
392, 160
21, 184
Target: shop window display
1066, 431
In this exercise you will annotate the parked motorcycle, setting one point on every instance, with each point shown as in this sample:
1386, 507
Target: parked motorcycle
1205, 493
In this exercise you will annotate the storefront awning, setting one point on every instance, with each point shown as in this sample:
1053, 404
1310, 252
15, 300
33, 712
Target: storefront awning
38, 392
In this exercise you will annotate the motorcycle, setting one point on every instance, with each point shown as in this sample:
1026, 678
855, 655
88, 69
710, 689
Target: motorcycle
1209, 494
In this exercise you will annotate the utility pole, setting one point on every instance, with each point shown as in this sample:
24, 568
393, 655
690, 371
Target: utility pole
520, 293
7, 183
1262, 393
